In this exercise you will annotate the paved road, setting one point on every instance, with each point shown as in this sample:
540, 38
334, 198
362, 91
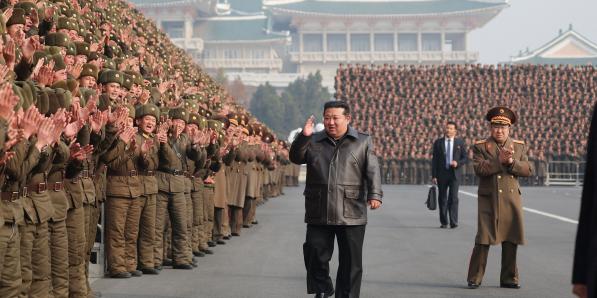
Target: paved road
405, 253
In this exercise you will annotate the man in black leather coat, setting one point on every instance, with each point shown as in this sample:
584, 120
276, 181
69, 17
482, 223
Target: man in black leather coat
343, 177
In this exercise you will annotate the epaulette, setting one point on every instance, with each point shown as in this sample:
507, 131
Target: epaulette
518, 142
480, 142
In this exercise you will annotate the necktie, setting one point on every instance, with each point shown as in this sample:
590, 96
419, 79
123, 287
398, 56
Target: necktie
449, 154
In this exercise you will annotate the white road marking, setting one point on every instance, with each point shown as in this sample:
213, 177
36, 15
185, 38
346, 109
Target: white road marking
561, 218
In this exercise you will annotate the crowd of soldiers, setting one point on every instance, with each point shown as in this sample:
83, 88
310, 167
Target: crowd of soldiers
405, 107
100, 111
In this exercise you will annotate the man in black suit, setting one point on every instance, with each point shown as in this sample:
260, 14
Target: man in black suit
449, 155
584, 274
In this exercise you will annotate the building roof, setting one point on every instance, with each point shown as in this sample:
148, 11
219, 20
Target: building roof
247, 6
383, 8
568, 47
225, 29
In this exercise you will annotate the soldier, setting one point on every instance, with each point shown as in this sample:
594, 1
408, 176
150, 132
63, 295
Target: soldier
499, 161
173, 150
236, 174
146, 120
395, 171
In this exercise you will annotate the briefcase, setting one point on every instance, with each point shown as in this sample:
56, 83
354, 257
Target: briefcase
432, 198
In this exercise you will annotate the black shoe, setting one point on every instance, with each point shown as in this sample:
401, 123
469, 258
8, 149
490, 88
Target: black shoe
453, 226
472, 285
443, 226
509, 286
221, 242
198, 254
226, 237
150, 271
195, 263
183, 266
324, 295
255, 223
211, 244
120, 275
235, 234
159, 268
167, 262
207, 251
246, 226
136, 273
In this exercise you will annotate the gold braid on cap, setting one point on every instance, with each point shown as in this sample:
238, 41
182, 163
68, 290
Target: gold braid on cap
501, 120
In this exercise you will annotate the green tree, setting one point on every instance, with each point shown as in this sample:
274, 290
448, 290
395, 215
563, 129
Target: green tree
267, 107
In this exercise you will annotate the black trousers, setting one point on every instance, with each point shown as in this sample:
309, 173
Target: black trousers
318, 249
448, 200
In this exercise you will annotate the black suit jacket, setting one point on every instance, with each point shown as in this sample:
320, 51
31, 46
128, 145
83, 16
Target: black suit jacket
438, 162
585, 253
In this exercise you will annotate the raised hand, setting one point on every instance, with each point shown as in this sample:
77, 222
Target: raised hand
8, 155
71, 129
80, 153
45, 133
75, 70
308, 128
30, 122
9, 53
146, 146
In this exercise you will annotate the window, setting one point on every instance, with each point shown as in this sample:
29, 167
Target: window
257, 54
359, 43
384, 42
456, 41
231, 54
431, 41
336, 42
312, 42
173, 29
407, 42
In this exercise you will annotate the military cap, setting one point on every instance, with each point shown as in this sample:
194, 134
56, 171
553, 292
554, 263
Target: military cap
215, 124
147, 109
43, 100
267, 138
60, 84
66, 23
190, 105
71, 49
28, 7
73, 86
89, 70
18, 17
198, 120
136, 77
59, 99
110, 64
86, 94
40, 55
57, 39
179, 113
111, 76
233, 118
501, 115
82, 48
58, 62
224, 120
127, 81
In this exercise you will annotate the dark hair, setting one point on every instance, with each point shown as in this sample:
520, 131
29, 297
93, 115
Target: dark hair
452, 123
337, 104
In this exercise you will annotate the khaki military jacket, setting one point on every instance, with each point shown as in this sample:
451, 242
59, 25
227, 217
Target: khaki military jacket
500, 214
123, 162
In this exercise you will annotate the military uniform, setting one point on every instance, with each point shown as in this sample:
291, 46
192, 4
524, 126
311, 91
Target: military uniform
171, 198
148, 198
500, 219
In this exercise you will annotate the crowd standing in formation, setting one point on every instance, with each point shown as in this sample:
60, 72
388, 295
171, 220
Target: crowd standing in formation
404, 107
97, 107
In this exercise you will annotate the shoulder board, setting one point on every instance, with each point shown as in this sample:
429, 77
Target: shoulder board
518, 142
363, 133
480, 142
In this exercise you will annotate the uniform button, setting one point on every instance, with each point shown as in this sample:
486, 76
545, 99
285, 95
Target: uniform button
499, 177
500, 190
511, 190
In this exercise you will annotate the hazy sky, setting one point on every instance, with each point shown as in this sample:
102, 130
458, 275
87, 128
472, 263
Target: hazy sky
532, 23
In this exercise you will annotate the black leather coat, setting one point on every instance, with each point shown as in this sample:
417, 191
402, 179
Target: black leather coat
341, 176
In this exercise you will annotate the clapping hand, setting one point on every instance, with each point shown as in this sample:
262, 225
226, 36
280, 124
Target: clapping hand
506, 155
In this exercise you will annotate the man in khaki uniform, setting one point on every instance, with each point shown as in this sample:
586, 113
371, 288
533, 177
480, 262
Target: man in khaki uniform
237, 177
171, 184
123, 207
499, 161
146, 120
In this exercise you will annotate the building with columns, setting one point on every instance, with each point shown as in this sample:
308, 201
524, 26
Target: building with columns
280, 40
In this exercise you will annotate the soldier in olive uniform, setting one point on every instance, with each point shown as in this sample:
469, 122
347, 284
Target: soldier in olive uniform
146, 120
171, 185
499, 161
